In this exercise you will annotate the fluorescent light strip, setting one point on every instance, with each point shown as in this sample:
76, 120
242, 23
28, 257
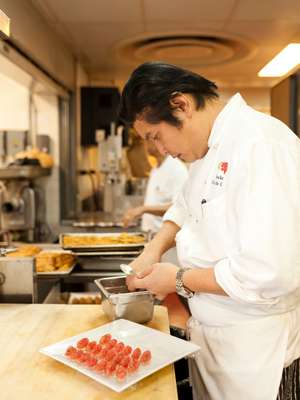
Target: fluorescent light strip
4, 24
284, 62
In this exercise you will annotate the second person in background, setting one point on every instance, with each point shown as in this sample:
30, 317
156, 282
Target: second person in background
165, 181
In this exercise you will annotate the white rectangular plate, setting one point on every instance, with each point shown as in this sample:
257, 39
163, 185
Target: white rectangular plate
165, 350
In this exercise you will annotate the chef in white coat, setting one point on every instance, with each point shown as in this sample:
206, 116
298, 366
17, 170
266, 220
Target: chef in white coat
237, 229
165, 181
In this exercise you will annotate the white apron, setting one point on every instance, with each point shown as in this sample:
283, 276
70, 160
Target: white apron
242, 355
242, 361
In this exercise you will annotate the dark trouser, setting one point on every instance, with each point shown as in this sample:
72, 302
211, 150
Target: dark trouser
290, 382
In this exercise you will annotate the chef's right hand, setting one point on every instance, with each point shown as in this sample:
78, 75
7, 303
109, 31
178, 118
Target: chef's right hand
141, 264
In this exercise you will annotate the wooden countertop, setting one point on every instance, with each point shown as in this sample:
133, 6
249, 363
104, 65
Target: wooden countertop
27, 374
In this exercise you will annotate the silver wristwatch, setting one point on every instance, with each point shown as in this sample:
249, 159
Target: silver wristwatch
180, 288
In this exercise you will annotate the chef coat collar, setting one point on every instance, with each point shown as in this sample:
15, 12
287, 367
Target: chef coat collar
216, 133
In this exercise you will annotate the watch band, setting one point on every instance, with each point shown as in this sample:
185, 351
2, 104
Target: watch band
180, 288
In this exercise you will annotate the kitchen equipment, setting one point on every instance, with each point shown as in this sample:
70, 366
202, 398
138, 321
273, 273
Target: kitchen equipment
82, 243
22, 203
18, 208
101, 224
118, 302
43, 142
6, 250
127, 269
16, 280
23, 172
15, 142
109, 162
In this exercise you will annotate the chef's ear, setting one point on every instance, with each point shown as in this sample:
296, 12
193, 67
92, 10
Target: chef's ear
180, 103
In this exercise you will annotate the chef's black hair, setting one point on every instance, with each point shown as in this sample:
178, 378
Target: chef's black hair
150, 87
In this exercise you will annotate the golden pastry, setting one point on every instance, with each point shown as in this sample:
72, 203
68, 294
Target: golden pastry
25, 251
123, 238
53, 261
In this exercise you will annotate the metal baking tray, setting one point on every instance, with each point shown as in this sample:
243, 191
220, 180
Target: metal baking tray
24, 171
102, 247
116, 254
101, 224
118, 302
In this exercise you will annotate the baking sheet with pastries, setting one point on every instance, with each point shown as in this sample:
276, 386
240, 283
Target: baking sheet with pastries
84, 298
73, 241
54, 261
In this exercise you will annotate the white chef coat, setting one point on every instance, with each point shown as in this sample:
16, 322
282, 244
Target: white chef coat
164, 183
239, 212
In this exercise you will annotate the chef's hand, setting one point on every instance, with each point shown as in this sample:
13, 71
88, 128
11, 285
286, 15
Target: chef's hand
159, 279
132, 215
142, 263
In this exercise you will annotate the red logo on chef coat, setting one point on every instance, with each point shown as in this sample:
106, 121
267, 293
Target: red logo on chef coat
223, 166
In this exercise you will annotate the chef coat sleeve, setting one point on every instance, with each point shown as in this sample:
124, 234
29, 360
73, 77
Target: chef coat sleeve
264, 263
177, 213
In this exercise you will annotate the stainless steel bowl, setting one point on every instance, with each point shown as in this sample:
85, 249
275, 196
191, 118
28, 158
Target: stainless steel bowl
118, 302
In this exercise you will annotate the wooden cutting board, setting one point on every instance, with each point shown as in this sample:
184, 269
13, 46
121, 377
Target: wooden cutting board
25, 374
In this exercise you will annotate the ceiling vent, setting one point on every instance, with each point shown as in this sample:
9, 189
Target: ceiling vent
185, 49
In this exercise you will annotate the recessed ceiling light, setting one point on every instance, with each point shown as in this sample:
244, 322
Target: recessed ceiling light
283, 62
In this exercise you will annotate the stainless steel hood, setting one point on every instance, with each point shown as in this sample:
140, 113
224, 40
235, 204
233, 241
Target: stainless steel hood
4, 25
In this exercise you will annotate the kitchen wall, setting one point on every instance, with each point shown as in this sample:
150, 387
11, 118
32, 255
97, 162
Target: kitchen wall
257, 97
86, 156
43, 45
30, 32
14, 97
47, 122
15, 115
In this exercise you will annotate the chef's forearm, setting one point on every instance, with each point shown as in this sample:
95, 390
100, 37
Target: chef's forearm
156, 210
202, 280
163, 240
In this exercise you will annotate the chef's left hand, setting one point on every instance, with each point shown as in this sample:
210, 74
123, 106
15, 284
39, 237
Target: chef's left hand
159, 279
132, 215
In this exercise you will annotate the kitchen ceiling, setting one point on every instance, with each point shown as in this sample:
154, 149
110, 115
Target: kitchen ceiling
228, 41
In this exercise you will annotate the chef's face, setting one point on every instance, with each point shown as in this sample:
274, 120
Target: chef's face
171, 140
187, 141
